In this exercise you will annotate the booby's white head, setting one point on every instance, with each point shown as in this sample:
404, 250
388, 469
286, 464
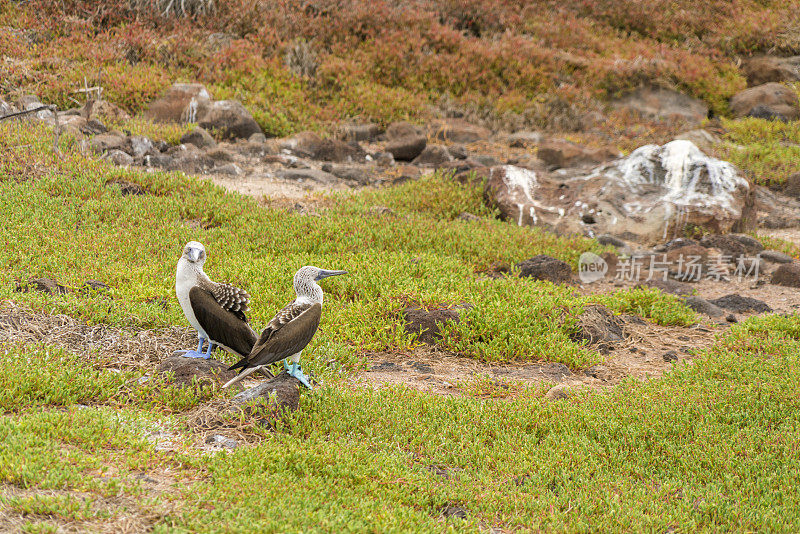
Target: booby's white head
305, 282
194, 252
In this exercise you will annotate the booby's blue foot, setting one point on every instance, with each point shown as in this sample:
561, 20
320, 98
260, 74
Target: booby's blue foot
196, 353
297, 372
193, 354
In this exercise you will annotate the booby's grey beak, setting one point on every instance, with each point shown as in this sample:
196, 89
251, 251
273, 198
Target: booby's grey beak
325, 274
194, 254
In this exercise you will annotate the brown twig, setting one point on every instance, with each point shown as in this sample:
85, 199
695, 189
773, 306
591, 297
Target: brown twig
51, 109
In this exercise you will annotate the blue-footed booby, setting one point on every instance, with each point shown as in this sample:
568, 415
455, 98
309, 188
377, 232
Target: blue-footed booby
215, 310
292, 328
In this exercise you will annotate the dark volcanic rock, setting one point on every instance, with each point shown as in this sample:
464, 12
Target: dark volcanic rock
427, 323
185, 370
775, 256
283, 392
397, 130
406, 148
433, 155
128, 188
598, 326
787, 275
228, 119
359, 132
703, 306
338, 151
543, 267
740, 304
453, 511
45, 285
727, 244
199, 137
751, 244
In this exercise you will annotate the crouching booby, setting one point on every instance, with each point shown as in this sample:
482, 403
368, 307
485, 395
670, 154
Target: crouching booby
292, 328
215, 310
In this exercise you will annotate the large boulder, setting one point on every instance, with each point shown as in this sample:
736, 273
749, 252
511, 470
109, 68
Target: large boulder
768, 101
649, 196
179, 103
765, 69
664, 104
229, 119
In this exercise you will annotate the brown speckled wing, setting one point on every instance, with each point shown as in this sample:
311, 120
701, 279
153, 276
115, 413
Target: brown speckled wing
287, 333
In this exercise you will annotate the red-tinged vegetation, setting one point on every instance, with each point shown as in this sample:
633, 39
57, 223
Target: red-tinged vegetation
385, 60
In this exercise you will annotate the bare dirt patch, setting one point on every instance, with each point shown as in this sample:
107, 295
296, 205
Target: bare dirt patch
647, 351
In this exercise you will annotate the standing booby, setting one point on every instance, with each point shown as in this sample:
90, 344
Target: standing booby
292, 328
215, 310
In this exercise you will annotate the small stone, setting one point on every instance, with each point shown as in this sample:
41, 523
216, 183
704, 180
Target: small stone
458, 151
200, 138
383, 159
731, 318
106, 142
543, 267
120, 158
670, 356
406, 148
433, 155
257, 138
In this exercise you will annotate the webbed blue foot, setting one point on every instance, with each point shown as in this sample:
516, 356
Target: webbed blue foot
196, 353
297, 372
193, 354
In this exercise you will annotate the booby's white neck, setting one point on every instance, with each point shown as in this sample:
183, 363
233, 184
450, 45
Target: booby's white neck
308, 292
189, 273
